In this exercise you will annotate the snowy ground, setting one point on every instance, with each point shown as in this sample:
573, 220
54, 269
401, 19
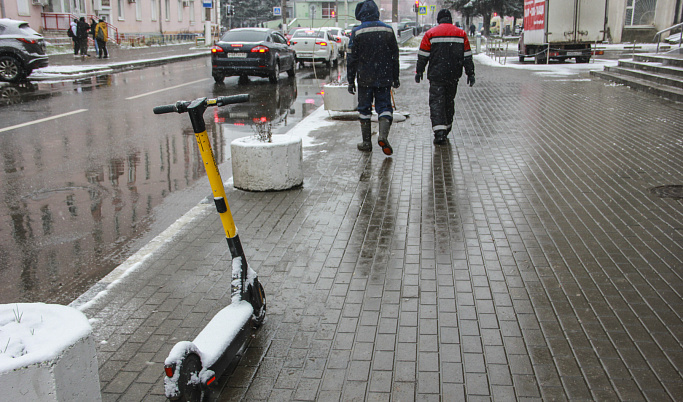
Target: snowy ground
554, 69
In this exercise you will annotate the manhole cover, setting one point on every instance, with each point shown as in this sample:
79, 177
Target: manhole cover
674, 191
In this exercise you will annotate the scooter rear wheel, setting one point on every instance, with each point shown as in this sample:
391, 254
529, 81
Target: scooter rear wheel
189, 387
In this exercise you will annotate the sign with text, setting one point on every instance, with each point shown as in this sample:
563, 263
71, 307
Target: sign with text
207, 3
534, 14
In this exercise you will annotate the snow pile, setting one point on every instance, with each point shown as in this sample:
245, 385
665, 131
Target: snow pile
32, 333
552, 69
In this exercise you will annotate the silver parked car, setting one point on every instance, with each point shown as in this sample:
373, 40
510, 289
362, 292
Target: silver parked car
22, 50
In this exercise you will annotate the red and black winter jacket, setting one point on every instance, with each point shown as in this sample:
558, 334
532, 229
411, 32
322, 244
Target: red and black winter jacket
447, 50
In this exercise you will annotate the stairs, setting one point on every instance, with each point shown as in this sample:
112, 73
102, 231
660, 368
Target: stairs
658, 74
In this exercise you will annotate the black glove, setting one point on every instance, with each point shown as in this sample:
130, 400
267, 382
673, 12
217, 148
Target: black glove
418, 77
352, 88
470, 79
397, 83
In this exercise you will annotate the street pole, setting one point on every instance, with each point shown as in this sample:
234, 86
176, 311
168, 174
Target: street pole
218, 19
336, 14
283, 10
346, 15
394, 10
161, 28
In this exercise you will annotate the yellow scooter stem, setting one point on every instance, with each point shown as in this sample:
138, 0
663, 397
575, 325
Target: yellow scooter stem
216, 184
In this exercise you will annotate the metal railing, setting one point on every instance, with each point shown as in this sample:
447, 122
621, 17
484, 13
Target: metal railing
62, 21
658, 35
405, 35
497, 49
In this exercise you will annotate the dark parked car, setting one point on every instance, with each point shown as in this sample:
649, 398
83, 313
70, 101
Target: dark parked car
22, 50
260, 52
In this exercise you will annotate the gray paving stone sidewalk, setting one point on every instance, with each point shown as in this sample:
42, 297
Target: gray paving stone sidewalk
527, 259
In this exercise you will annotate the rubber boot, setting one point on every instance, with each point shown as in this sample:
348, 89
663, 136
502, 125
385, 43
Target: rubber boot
384, 126
440, 137
365, 130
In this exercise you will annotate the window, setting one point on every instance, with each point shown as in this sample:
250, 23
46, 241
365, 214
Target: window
138, 10
640, 12
277, 38
168, 10
120, 4
22, 8
180, 10
328, 10
154, 10
191, 12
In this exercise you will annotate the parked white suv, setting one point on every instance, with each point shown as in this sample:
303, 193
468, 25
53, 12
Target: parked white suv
341, 39
314, 45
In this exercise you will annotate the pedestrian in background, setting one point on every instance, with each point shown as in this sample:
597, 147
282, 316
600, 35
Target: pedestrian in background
72, 33
93, 24
373, 59
473, 29
101, 36
447, 50
82, 29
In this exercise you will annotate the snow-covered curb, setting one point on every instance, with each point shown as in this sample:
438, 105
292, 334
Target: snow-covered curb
75, 71
136, 260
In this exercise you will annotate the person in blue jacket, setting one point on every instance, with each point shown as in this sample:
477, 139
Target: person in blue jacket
373, 61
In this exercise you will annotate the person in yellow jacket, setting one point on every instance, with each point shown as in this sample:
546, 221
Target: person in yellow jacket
101, 38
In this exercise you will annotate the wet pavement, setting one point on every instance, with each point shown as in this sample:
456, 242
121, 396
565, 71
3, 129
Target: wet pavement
526, 259
81, 196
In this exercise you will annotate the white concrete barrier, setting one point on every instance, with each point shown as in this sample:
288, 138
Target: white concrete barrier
267, 166
336, 97
47, 354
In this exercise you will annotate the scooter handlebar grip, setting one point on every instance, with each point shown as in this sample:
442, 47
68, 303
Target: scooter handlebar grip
227, 100
165, 109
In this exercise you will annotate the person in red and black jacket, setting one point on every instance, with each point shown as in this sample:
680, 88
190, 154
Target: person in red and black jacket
447, 50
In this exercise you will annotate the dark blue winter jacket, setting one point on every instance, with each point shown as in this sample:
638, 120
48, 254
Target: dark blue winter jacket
373, 51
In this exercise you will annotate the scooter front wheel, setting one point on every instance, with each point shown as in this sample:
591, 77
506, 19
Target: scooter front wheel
258, 300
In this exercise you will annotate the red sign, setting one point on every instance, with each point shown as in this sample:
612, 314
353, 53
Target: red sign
534, 14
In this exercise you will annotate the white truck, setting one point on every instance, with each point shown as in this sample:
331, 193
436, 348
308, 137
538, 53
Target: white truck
561, 29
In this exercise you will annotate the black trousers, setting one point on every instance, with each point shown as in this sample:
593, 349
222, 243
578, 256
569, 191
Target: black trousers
102, 48
442, 105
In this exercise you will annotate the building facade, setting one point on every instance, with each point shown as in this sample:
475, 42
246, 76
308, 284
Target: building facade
627, 20
137, 17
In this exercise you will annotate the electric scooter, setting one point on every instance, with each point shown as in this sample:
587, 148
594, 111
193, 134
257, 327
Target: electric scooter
191, 367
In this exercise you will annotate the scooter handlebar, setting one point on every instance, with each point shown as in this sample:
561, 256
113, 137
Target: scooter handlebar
227, 100
165, 109
181, 106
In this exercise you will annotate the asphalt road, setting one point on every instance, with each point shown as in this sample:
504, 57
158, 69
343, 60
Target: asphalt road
89, 174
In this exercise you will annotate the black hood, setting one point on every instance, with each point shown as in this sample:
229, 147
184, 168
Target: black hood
444, 17
367, 11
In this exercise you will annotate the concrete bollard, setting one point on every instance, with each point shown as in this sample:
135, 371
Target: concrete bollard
267, 166
47, 354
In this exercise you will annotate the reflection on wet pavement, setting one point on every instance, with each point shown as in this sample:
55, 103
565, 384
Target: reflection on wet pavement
77, 192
